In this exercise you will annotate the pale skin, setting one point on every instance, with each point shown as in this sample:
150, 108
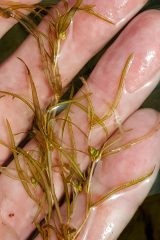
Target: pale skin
109, 219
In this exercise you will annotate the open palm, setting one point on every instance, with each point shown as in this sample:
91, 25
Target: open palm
86, 35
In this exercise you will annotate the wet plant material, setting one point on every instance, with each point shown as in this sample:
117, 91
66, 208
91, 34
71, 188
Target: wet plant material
54, 155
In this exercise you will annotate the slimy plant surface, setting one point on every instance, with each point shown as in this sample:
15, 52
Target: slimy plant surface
55, 156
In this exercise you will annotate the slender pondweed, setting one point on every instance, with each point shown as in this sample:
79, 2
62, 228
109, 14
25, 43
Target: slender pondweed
57, 153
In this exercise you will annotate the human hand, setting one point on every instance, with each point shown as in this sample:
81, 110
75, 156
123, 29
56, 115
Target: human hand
108, 219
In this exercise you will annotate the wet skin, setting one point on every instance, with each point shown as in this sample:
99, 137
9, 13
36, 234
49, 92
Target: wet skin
107, 220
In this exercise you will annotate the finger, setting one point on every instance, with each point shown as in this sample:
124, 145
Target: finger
101, 94
13, 72
7, 23
108, 219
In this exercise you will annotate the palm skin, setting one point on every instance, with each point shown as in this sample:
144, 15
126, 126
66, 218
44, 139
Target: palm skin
107, 220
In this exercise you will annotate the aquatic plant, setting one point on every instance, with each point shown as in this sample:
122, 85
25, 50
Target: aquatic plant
53, 154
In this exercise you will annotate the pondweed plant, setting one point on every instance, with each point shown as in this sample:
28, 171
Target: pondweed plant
35, 168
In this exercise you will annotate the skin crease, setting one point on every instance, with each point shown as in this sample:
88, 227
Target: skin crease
13, 70
10, 199
27, 205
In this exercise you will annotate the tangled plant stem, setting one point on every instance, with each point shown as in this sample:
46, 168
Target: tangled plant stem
35, 169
